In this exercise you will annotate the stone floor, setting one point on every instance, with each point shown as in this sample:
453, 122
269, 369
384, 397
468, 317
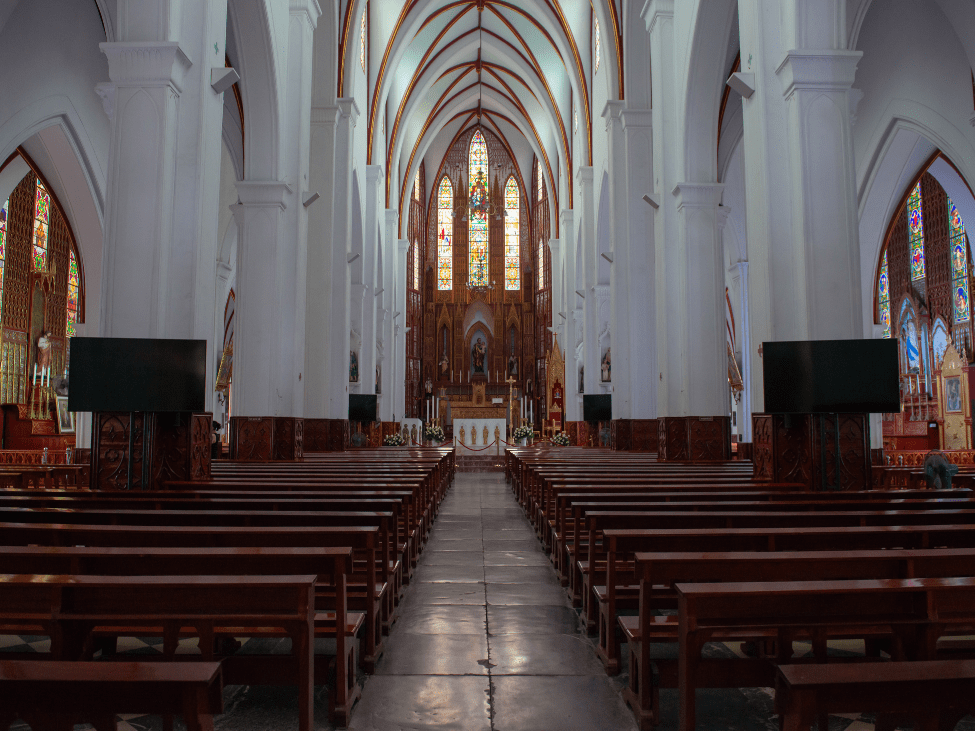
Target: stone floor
484, 641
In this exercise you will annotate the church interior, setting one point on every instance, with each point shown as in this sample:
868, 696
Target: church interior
480, 439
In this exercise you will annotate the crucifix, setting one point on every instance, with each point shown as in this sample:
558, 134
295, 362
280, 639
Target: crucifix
511, 387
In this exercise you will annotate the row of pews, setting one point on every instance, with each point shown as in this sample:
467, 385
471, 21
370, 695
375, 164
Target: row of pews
660, 554
316, 550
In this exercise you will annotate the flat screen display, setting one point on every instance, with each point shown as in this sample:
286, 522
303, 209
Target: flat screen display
831, 376
362, 407
597, 407
137, 374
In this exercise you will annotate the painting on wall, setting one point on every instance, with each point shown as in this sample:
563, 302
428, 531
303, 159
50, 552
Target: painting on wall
953, 394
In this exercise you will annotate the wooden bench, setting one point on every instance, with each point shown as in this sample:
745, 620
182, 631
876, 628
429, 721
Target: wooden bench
913, 613
73, 609
935, 693
55, 695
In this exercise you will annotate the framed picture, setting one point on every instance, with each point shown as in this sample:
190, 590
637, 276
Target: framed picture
65, 417
953, 394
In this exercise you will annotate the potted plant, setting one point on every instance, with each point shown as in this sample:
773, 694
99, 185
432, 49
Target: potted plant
434, 434
393, 440
522, 434
561, 439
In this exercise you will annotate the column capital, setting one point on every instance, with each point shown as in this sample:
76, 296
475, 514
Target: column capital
566, 216
585, 175
263, 193
309, 8
347, 108
722, 216
637, 119
403, 246
613, 111
655, 11
826, 70
146, 63
375, 174
698, 195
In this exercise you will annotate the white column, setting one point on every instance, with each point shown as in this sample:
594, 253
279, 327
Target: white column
670, 323
374, 194
398, 324
700, 298
587, 211
160, 223
746, 351
801, 207
570, 333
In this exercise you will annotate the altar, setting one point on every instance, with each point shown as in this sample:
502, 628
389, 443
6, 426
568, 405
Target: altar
476, 433
480, 420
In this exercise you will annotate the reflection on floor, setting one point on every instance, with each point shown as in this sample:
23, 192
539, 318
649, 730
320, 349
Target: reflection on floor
484, 641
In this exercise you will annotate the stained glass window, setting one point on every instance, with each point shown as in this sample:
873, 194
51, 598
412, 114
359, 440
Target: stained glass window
478, 224
915, 223
3, 248
445, 235
416, 186
416, 266
362, 42
596, 33
539, 181
512, 235
72, 315
883, 296
541, 265
959, 264
42, 227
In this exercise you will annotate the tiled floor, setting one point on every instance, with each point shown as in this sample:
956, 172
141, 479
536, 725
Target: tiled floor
484, 641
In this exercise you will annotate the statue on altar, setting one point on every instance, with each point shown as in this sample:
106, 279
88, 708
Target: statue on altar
353, 367
44, 346
478, 353
512, 366
606, 367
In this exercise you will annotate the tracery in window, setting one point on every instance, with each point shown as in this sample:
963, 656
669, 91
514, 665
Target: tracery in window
959, 264
512, 235
883, 296
478, 222
42, 226
915, 223
445, 235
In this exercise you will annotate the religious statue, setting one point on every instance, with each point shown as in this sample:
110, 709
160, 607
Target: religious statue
428, 387
478, 353
606, 367
444, 365
379, 380
43, 363
512, 366
582, 379
353, 367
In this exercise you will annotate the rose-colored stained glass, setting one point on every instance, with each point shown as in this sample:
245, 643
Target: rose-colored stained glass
72, 295
479, 203
596, 34
42, 227
362, 42
883, 297
915, 222
445, 235
512, 235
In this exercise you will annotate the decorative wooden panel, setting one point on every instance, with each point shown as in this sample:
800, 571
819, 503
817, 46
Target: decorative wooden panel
338, 435
620, 431
250, 438
763, 466
315, 435
696, 438
644, 435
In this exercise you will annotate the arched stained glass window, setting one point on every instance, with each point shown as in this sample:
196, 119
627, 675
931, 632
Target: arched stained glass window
445, 235
416, 266
72, 295
512, 235
541, 266
883, 296
3, 248
959, 264
362, 42
478, 222
42, 226
416, 186
539, 181
915, 223
596, 34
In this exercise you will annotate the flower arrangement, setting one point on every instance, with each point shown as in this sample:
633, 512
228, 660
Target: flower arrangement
393, 440
561, 439
523, 432
433, 433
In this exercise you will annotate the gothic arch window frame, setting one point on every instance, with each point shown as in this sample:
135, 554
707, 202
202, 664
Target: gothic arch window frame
512, 234
445, 242
478, 234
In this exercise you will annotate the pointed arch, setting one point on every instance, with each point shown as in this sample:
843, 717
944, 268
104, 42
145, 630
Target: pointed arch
445, 235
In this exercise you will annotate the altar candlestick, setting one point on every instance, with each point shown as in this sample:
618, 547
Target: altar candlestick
35, 373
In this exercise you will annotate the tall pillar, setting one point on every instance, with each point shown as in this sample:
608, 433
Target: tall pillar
570, 331
398, 323
741, 274
371, 276
801, 208
587, 243
393, 372
163, 185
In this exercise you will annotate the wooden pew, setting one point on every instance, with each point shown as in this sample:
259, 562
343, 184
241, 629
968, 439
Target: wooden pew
98, 691
68, 608
660, 572
331, 566
914, 613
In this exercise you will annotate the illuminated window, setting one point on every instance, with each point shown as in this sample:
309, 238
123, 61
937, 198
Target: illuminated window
512, 235
883, 296
42, 226
541, 266
362, 42
445, 236
915, 223
72, 295
3, 248
416, 186
596, 33
959, 264
478, 223
539, 181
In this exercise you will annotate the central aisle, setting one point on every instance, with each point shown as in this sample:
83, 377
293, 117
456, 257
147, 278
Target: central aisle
486, 639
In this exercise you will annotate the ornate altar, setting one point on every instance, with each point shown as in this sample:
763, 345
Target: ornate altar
555, 386
954, 406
